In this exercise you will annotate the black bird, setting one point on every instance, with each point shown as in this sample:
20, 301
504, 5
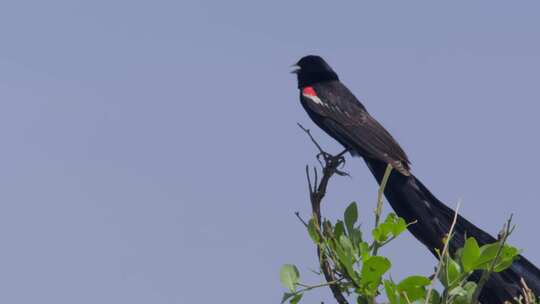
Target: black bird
333, 107
335, 110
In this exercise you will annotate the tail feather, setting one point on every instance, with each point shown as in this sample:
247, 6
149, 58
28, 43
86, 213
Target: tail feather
411, 200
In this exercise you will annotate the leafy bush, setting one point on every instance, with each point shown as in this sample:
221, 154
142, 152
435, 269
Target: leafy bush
361, 273
351, 264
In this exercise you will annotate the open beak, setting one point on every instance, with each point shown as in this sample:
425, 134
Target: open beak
295, 69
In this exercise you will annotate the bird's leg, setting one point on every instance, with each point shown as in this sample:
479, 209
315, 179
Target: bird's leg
341, 164
341, 161
343, 152
330, 161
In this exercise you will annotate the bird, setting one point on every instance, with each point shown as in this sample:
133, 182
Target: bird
333, 107
336, 110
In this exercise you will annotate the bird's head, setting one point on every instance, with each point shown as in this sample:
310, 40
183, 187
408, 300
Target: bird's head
313, 69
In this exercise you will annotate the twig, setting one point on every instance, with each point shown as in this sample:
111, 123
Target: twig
378, 209
528, 295
310, 187
308, 287
443, 254
506, 231
317, 191
308, 132
300, 218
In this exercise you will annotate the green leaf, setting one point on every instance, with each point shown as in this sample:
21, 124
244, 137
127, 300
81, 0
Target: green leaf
287, 296
296, 298
391, 292
364, 250
509, 252
373, 269
346, 259
351, 216
506, 258
339, 229
414, 282
356, 237
435, 297
414, 286
454, 271
399, 227
458, 254
289, 276
450, 272
502, 265
313, 231
458, 291
508, 255
470, 254
379, 234
487, 254
387, 226
392, 226
346, 244
464, 295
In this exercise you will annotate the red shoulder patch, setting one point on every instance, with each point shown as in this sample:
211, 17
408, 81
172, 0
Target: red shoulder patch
309, 91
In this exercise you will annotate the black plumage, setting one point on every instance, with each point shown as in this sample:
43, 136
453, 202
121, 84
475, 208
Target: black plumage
339, 113
335, 110
411, 200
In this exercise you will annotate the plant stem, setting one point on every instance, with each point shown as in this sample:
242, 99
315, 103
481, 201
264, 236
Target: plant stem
443, 254
378, 209
307, 287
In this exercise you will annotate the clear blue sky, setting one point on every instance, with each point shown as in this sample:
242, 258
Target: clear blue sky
150, 152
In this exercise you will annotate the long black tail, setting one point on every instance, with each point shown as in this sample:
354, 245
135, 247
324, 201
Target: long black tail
411, 200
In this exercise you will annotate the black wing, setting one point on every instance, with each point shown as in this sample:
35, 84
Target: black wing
342, 116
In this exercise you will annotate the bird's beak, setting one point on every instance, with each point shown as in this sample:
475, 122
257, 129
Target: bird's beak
295, 69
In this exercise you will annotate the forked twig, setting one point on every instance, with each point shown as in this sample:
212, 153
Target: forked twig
317, 190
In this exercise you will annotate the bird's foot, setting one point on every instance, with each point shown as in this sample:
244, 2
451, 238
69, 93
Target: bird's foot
333, 162
342, 173
324, 156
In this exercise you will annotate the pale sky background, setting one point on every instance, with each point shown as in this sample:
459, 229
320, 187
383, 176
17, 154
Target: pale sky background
150, 152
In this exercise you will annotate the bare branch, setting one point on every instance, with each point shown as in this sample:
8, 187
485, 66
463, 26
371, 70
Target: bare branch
308, 132
300, 218
310, 187
330, 165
